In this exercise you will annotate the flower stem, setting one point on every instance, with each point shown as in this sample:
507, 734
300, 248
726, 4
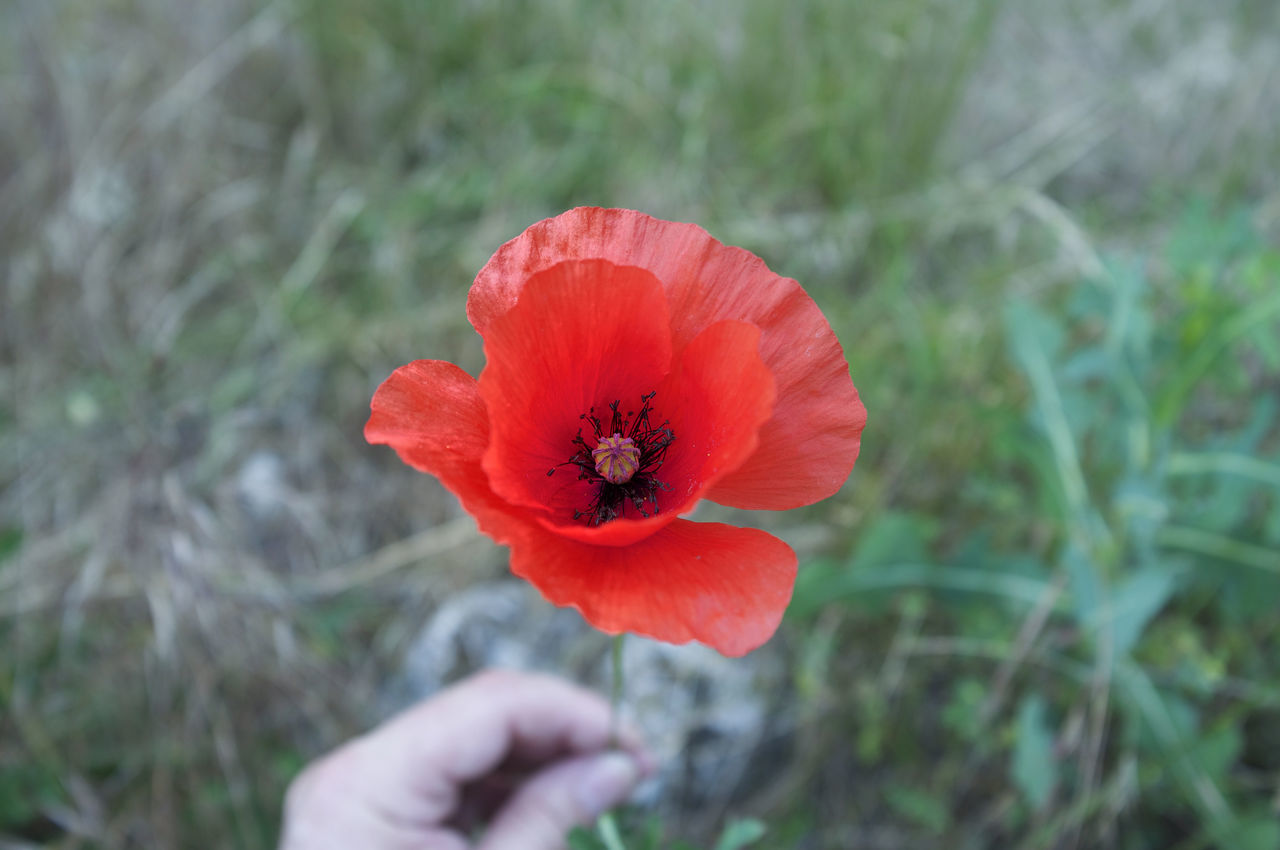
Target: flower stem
607, 829
615, 701
606, 825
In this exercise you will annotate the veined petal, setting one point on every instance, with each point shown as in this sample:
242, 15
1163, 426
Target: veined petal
431, 413
583, 334
807, 449
723, 586
808, 446
719, 398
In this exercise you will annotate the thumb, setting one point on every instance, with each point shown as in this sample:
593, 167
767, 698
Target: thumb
553, 801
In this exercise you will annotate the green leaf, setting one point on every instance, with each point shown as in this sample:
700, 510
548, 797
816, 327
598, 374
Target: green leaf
740, 833
919, 806
10, 541
1169, 722
1267, 344
1225, 463
1208, 236
1218, 750
1086, 587
1134, 603
1034, 768
963, 711
1196, 366
1034, 339
1254, 833
581, 839
24, 791
824, 582
895, 537
1201, 542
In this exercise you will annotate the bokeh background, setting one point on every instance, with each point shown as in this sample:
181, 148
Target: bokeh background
1043, 613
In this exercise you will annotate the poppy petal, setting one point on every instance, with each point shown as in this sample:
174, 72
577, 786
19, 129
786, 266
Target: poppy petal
432, 414
721, 395
582, 335
806, 454
808, 447
723, 586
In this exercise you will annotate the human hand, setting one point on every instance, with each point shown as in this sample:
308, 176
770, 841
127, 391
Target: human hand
527, 749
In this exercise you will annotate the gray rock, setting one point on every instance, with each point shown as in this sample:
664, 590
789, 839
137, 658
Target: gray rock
716, 725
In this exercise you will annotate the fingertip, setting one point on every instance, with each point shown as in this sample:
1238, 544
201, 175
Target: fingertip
606, 781
559, 798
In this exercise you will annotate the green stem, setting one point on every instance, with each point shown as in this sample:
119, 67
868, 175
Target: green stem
615, 701
606, 824
607, 829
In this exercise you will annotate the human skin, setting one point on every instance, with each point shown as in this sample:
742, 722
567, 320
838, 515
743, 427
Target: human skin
524, 756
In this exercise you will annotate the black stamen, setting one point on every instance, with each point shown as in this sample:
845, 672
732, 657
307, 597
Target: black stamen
641, 491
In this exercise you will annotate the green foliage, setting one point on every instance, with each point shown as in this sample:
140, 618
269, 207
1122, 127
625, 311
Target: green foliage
1034, 767
737, 834
927, 809
10, 542
1160, 504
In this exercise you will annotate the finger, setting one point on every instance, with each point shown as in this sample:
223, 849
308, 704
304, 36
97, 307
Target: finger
426, 753
322, 812
559, 798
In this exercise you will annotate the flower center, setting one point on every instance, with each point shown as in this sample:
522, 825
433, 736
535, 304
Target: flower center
622, 464
617, 458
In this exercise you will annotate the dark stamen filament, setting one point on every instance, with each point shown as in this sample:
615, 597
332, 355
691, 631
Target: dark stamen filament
621, 459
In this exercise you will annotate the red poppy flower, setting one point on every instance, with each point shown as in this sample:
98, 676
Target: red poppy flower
635, 366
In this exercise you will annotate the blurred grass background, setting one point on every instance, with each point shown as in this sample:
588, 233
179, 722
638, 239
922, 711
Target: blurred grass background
1044, 612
